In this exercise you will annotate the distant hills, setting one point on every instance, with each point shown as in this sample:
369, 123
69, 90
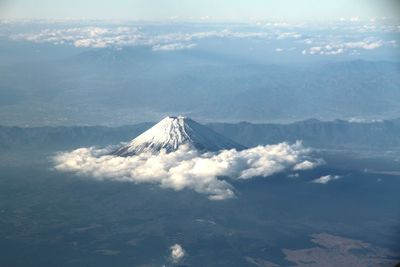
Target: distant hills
338, 134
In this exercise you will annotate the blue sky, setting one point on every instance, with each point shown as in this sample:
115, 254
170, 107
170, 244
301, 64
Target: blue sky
236, 10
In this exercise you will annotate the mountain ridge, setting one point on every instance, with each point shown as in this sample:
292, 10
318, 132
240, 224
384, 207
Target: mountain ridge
382, 135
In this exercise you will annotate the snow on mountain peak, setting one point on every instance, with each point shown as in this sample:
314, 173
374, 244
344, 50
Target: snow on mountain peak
174, 131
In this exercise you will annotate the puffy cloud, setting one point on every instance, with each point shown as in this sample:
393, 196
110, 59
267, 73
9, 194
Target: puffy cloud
177, 253
187, 168
326, 179
308, 165
96, 37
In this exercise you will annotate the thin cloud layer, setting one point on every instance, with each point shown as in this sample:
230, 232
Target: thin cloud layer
172, 47
187, 168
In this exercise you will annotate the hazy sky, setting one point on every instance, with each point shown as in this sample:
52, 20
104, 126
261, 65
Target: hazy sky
210, 9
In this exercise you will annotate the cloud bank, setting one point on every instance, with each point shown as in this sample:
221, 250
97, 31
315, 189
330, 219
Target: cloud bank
344, 37
101, 37
207, 173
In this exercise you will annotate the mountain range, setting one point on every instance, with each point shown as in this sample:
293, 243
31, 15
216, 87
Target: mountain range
337, 134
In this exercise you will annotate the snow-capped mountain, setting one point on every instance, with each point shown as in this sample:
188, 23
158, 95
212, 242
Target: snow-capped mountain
172, 132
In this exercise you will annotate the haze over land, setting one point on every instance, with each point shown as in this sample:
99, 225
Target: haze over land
98, 72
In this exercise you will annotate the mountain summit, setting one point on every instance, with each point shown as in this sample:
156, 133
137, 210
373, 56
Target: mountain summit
172, 132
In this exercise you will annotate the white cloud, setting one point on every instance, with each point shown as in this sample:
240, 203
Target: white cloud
364, 44
177, 253
112, 36
187, 168
308, 165
285, 35
172, 47
343, 37
340, 47
277, 24
86, 36
90, 43
326, 179
315, 50
278, 49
